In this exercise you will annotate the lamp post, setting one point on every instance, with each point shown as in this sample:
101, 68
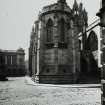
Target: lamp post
101, 14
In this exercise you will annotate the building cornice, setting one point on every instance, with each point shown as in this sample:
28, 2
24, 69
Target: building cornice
56, 11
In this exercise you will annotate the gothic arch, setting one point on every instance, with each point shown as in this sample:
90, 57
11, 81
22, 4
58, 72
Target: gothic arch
92, 41
49, 28
61, 25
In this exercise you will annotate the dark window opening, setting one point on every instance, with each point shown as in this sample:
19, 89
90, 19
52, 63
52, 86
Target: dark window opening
80, 45
62, 30
50, 45
62, 45
92, 41
64, 70
48, 70
49, 27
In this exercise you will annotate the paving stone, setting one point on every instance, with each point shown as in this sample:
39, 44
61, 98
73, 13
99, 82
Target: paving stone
17, 92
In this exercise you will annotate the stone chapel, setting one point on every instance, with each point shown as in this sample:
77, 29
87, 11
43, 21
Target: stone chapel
54, 52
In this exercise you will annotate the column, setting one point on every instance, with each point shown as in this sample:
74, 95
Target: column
38, 52
33, 65
103, 70
73, 47
56, 39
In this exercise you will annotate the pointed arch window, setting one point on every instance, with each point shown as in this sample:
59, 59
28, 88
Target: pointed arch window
49, 30
92, 41
62, 30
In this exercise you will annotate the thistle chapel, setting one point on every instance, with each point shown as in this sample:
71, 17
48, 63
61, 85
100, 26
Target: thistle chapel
57, 55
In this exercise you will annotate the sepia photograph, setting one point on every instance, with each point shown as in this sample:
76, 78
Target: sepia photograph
52, 52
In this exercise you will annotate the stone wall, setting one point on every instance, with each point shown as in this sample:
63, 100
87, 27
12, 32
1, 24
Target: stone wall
59, 62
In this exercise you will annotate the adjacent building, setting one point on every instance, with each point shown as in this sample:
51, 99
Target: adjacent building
13, 61
101, 14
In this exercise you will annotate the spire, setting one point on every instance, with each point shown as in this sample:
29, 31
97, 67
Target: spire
80, 9
75, 6
85, 16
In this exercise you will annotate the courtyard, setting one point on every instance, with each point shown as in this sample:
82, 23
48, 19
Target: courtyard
23, 91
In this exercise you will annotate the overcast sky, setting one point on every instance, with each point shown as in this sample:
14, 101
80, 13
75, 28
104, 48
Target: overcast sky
18, 16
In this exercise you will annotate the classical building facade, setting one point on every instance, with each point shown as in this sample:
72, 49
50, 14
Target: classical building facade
13, 62
54, 53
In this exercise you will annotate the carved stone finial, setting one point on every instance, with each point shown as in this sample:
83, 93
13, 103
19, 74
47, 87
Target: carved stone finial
85, 16
75, 6
80, 9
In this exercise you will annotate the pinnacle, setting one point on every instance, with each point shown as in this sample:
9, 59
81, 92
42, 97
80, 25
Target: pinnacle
75, 6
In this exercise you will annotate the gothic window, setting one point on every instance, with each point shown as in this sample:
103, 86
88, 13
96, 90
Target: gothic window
62, 30
92, 41
49, 31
